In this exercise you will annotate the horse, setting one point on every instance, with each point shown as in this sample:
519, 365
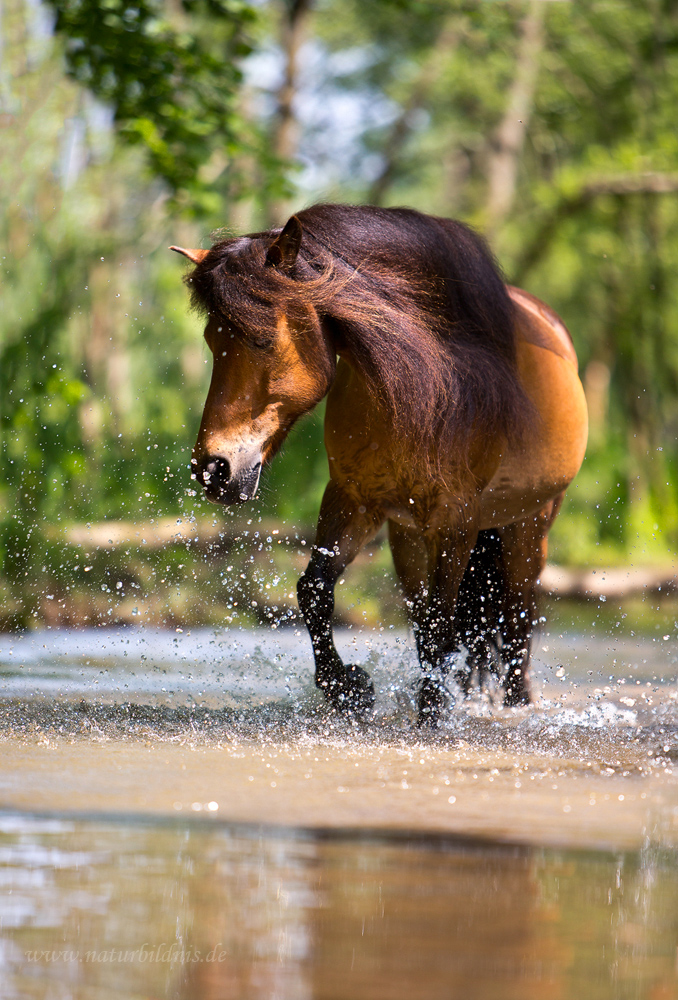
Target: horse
454, 413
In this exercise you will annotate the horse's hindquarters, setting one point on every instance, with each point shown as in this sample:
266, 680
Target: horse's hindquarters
544, 464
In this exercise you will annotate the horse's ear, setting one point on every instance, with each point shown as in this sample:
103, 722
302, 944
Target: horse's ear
283, 251
195, 256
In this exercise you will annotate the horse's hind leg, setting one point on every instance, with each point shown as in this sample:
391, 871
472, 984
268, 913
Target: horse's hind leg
411, 565
523, 555
343, 527
480, 595
411, 562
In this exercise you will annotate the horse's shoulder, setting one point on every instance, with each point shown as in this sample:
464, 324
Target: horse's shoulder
538, 324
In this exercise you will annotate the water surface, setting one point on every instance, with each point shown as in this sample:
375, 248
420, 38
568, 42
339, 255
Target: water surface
183, 817
142, 721
195, 911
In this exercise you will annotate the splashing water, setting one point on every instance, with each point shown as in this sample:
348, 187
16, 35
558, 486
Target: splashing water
230, 725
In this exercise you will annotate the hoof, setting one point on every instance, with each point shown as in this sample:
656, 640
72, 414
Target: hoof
352, 693
432, 702
360, 695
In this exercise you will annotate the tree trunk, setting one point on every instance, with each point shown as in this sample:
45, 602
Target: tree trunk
447, 42
285, 139
507, 142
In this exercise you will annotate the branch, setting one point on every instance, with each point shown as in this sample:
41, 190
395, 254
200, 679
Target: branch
624, 185
612, 584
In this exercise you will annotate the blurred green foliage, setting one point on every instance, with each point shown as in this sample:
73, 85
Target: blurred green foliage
592, 223
129, 127
171, 77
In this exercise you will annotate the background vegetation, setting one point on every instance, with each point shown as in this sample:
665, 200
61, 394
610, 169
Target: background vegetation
126, 127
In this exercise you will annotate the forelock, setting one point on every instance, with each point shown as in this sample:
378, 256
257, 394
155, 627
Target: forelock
232, 286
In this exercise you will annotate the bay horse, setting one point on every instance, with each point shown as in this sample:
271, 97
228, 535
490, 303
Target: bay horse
454, 412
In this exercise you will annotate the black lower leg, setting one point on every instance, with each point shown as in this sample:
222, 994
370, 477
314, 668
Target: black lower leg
436, 643
448, 554
346, 687
516, 656
516, 688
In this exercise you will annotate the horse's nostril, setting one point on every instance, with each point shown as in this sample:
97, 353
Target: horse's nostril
214, 472
222, 485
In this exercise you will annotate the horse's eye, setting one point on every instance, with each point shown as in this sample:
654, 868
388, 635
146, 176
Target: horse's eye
260, 343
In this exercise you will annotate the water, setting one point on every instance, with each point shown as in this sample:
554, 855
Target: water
183, 817
204, 911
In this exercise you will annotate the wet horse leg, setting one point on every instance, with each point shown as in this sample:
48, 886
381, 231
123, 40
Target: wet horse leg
448, 554
524, 547
343, 528
411, 565
411, 561
476, 612
479, 597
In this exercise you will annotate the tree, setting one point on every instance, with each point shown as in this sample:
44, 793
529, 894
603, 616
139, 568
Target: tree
173, 83
552, 126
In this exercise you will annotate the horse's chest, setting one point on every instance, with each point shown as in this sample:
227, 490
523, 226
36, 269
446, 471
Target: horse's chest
377, 466
359, 437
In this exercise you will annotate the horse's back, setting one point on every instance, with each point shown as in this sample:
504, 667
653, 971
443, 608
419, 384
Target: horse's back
545, 462
375, 465
539, 324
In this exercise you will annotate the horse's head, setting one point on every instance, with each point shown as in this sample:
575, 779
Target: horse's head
271, 359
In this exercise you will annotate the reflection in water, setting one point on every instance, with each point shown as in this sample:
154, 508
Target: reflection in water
91, 911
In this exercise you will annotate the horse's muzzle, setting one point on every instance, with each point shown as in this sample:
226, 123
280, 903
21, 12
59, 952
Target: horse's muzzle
214, 474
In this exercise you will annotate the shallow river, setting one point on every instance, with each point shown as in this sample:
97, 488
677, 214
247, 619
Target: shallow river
182, 817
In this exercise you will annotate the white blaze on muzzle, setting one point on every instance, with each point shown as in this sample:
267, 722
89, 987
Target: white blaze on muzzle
243, 447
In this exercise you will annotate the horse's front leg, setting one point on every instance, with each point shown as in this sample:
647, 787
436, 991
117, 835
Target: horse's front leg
344, 526
437, 638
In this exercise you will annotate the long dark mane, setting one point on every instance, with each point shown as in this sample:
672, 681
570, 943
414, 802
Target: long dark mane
417, 302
